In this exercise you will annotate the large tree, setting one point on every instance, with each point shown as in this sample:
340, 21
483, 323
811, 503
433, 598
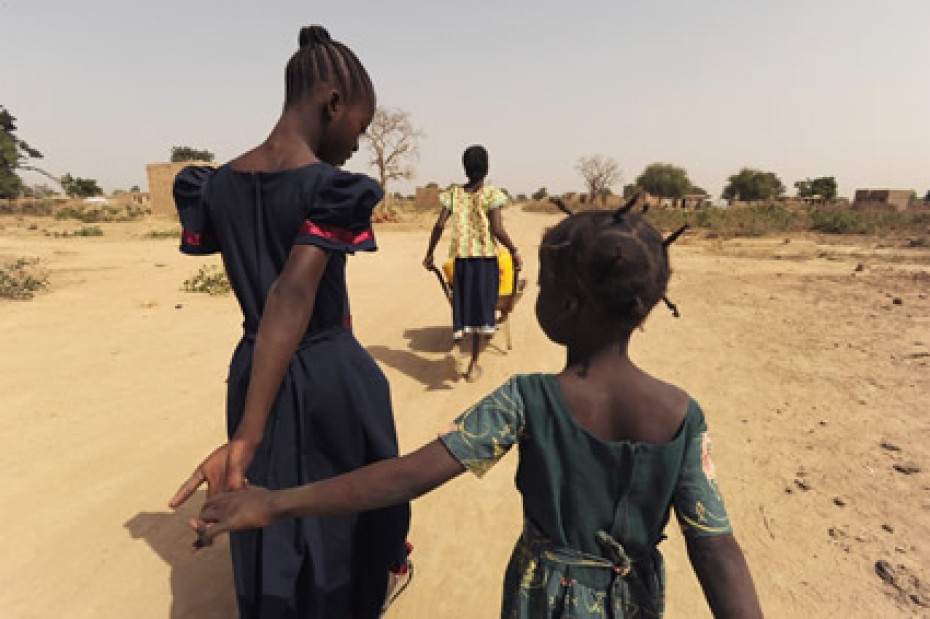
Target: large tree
664, 180
14, 154
599, 173
824, 186
186, 153
750, 184
394, 143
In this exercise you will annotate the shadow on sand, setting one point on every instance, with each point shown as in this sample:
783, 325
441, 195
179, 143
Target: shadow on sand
434, 374
201, 582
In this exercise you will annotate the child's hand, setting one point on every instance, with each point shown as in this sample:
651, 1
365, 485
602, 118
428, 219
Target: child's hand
248, 508
224, 469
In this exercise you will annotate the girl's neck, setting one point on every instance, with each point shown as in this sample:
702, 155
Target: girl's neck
473, 186
289, 145
599, 359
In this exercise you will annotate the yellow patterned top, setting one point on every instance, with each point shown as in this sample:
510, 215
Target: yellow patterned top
471, 228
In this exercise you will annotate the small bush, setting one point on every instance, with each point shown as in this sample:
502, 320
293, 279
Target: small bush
22, 278
93, 213
88, 231
85, 231
209, 279
41, 207
839, 221
164, 234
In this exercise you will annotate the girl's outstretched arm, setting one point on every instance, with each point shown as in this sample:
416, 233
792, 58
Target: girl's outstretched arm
287, 312
384, 483
434, 237
724, 576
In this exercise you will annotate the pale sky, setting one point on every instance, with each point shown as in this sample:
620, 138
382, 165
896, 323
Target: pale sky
803, 88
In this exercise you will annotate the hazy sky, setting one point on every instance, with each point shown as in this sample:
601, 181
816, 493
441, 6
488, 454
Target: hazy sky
799, 87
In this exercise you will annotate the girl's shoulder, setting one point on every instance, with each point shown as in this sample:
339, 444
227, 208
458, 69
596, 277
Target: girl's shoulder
493, 197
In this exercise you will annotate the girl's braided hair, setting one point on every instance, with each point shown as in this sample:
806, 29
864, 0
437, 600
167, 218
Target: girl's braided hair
475, 162
322, 60
615, 259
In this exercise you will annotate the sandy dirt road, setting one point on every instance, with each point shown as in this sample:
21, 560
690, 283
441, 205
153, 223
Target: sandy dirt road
112, 389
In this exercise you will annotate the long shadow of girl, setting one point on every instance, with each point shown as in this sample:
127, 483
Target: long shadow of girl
201, 582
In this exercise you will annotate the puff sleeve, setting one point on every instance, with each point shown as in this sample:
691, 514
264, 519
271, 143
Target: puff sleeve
445, 198
338, 217
483, 434
497, 199
197, 237
697, 500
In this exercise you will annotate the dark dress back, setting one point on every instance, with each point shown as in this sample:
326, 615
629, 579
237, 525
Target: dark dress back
333, 411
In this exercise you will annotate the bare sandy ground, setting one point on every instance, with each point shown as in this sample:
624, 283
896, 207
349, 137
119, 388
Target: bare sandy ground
112, 389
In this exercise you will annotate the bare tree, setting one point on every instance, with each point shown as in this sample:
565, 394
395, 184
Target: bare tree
394, 143
600, 173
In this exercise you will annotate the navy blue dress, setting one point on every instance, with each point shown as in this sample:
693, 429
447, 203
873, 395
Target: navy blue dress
333, 411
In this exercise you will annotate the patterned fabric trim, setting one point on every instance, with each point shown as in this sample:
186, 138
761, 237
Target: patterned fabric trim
481, 436
197, 244
698, 501
340, 235
547, 581
486, 330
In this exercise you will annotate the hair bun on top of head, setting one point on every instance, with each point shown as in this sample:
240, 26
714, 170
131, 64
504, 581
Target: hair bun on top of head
314, 35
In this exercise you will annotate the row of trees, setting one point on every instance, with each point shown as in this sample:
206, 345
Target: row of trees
393, 142
665, 180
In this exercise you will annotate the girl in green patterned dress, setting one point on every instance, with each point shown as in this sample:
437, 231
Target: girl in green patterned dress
606, 450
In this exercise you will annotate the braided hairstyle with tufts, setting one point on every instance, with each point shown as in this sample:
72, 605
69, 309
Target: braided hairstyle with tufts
322, 60
615, 259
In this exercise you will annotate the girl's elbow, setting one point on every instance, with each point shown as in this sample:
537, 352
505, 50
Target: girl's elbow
295, 296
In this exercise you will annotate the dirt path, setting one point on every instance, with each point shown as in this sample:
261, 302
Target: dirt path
112, 388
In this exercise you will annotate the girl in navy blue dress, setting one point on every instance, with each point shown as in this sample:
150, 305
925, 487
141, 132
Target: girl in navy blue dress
305, 400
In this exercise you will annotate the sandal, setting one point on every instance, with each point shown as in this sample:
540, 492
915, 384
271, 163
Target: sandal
399, 578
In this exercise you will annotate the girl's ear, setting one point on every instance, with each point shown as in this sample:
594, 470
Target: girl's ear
334, 104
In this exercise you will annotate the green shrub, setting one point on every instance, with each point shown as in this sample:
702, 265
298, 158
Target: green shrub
209, 279
97, 213
22, 278
837, 222
84, 231
164, 234
40, 207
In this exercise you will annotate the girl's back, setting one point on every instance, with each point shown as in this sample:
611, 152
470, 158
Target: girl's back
593, 508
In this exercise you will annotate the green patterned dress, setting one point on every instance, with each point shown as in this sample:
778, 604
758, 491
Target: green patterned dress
594, 511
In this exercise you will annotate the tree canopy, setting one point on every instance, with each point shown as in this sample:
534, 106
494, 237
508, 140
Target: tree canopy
14, 154
750, 184
664, 180
824, 186
540, 194
599, 173
77, 187
394, 144
186, 153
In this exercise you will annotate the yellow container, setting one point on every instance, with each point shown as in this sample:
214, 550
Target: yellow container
504, 269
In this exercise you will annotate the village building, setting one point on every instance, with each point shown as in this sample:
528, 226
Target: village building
161, 182
882, 199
